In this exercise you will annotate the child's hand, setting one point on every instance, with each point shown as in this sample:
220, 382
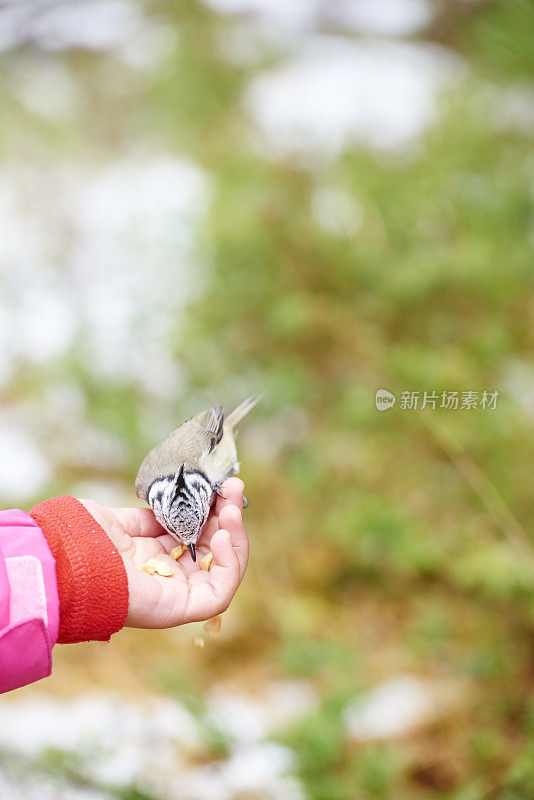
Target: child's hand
191, 594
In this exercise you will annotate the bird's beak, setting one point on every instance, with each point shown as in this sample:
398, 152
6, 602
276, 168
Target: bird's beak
192, 550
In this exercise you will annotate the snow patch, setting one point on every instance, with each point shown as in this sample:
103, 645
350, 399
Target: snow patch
339, 93
115, 742
247, 719
23, 468
389, 17
110, 262
398, 706
117, 26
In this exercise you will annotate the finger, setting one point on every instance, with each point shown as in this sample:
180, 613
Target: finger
224, 575
211, 592
231, 519
138, 521
232, 489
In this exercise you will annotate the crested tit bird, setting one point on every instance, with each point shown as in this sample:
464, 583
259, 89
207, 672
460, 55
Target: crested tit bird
180, 476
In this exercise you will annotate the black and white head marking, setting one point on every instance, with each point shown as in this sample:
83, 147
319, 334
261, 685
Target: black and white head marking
181, 503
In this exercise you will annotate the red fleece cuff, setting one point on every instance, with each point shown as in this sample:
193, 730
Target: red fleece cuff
92, 582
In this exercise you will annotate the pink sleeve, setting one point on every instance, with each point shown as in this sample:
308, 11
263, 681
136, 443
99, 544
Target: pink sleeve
29, 603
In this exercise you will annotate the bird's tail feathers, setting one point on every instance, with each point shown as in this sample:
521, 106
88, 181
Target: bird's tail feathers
235, 416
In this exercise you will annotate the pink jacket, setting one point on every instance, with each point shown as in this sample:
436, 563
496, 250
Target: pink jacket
61, 580
29, 601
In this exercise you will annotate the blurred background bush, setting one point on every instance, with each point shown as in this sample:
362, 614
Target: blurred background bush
315, 199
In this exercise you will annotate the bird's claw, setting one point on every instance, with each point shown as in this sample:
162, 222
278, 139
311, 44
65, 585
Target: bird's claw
217, 489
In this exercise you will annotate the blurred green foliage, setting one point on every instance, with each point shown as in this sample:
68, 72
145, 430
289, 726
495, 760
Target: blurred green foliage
377, 538
433, 292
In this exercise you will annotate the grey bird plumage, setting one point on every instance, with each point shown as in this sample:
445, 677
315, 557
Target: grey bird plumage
179, 477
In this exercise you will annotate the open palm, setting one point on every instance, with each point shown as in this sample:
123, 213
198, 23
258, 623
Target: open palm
191, 594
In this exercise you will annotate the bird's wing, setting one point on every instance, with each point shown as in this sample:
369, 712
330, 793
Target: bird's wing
211, 422
184, 445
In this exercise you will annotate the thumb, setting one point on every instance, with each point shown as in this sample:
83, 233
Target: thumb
222, 550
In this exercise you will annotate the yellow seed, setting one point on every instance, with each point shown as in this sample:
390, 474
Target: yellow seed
213, 625
177, 552
205, 561
160, 567
198, 641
